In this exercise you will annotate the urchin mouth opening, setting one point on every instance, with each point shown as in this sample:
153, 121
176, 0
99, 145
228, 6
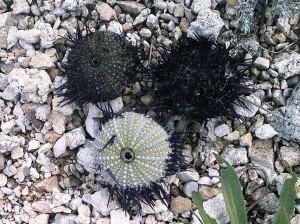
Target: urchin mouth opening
127, 155
95, 61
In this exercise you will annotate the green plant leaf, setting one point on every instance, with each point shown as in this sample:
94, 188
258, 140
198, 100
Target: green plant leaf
287, 200
232, 193
198, 200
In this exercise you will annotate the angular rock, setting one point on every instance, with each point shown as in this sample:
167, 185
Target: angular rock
131, 7
288, 64
7, 143
64, 218
189, 187
157, 208
216, 209
41, 206
188, 175
75, 138
99, 201
262, 63
199, 5
20, 6
119, 216
235, 155
290, 154
291, 111
40, 219
41, 61
250, 109
265, 131
60, 147
222, 130
208, 24
47, 184
105, 11
84, 214
180, 204
32, 84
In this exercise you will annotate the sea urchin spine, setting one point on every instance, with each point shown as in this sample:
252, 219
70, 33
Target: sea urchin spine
199, 79
99, 66
135, 155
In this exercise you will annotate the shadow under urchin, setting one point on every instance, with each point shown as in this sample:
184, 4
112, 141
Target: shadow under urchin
199, 79
99, 66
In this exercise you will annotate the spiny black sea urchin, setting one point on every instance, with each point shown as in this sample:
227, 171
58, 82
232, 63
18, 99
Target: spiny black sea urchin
99, 66
199, 79
134, 154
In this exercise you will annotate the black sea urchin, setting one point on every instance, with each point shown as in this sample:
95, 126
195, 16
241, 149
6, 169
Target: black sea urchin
134, 154
99, 66
199, 79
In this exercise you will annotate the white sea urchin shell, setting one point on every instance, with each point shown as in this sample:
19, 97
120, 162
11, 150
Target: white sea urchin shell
132, 150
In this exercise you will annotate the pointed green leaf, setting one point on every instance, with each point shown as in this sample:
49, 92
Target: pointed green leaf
232, 193
287, 200
198, 200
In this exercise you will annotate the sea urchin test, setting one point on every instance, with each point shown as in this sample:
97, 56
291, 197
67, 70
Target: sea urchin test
99, 66
134, 155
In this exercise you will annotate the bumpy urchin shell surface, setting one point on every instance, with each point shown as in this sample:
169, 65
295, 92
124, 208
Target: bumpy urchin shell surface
99, 66
199, 79
134, 155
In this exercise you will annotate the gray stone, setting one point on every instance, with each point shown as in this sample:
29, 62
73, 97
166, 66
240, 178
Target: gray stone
141, 17
199, 5
3, 179
7, 143
280, 181
291, 112
262, 63
41, 61
261, 154
20, 6
157, 207
265, 131
250, 109
216, 209
40, 219
8, 126
2, 162
84, 214
207, 24
64, 219
222, 130
75, 137
32, 84
9, 93
179, 10
188, 175
58, 198
290, 154
60, 146
232, 136
17, 152
131, 7
246, 139
160, 4
99, 201
269, 203
144, 32
106, 12
31, 36
115, 27
278, 98
235, 155
189, 187
119, 216
287, 64
152, 22
41, 206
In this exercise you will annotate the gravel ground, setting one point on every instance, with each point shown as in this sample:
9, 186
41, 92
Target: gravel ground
43, 170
